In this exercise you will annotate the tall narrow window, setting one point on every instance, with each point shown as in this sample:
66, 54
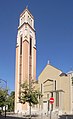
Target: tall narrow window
30, 46
48, 101
57, 99
51, 94
41, 87
51, 104
21, 45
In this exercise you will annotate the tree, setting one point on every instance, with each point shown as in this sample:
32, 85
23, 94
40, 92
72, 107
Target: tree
3, 97
10, 101
28, 94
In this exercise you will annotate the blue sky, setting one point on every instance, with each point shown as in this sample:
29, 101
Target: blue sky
54, 34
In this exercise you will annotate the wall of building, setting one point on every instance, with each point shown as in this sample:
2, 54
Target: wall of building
62, 86
63, 83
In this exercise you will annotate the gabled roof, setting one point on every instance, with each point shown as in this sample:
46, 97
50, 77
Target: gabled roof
26, 9
49, 68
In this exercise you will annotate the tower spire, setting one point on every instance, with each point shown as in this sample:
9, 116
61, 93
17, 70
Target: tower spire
26, 6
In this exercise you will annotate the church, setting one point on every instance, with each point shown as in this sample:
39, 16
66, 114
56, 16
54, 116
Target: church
52, 82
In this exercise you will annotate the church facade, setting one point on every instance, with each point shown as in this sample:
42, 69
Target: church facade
53, 82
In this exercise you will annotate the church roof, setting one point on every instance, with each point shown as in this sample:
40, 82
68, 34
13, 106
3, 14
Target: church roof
26, 9
50, 70
63, 74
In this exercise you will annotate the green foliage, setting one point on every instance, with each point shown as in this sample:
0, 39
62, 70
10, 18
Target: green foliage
28, 94
3, 97
10, 101
6, 99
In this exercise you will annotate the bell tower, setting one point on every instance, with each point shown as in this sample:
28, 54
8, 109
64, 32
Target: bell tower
25, 55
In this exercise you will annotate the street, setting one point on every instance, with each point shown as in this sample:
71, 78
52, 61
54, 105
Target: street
8, 117
43, 117
66, 117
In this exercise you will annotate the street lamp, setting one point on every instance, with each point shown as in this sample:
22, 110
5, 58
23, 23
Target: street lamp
4, 82
6, 90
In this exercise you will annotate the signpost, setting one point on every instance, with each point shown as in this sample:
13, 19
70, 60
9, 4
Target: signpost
51, 101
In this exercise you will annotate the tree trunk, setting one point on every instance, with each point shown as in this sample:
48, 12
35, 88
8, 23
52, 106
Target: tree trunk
30, 110
5, 111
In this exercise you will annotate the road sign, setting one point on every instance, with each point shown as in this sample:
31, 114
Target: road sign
51, 100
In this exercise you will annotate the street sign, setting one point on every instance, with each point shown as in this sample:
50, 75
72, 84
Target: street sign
51, 100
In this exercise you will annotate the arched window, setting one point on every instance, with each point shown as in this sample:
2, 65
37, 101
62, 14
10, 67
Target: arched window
21, 20
28, 19
31, 22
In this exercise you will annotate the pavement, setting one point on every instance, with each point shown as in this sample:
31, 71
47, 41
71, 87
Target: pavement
20, 116
12, 117
9, 117
40, 117
66, 117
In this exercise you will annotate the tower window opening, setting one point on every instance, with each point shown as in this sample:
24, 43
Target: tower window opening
28, 19
21, 21
72, 81
21, 46
30, 46
24, 18
31, 22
